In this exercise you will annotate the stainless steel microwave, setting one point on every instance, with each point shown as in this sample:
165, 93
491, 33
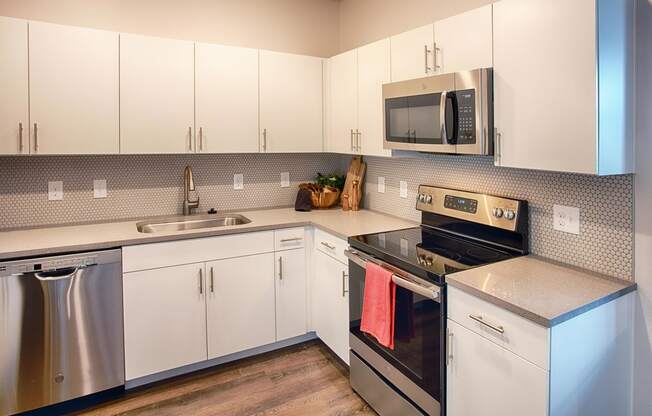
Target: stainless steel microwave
448, 113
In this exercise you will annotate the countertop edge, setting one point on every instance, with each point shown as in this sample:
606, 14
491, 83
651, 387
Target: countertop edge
533, 317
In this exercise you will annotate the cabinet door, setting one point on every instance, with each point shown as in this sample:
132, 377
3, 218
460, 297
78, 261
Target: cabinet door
343, 105
464, 41
240, 304
290, 278
412, 53
290, 102
226, 89
157, 95
73, 90
14, 113
164, 319
485, 379
373, 72
330, 299
545, 84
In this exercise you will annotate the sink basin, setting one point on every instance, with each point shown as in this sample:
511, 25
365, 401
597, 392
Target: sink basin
190, 223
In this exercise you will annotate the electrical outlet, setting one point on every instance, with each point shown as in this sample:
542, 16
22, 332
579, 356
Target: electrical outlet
405, 250
238, 181
55, 190
566, 219
381, 184
99, 188
285, 179
403, 189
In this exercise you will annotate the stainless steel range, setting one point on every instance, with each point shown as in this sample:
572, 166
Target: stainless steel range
459, 230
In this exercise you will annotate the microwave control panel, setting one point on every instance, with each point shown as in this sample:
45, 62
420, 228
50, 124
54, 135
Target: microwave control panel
466, 116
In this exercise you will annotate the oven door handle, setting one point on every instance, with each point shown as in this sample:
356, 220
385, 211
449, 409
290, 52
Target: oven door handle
404, 280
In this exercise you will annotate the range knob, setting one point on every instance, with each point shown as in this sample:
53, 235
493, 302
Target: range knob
498, 212
510, 215
428, 199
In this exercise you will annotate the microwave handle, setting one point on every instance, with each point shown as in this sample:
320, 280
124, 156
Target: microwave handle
442, 116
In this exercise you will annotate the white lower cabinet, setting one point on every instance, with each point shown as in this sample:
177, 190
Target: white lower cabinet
486, 379
330, 303
290, 285
164, 319
240, 304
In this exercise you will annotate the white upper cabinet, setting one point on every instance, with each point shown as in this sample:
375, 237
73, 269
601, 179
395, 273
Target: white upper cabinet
14, 111
290, 103
226, 99
73, 90
157, 97
464, 41
554, 108
343, 102
412, 53
373, 71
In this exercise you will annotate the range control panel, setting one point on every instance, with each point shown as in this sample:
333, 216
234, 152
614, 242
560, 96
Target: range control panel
481, 208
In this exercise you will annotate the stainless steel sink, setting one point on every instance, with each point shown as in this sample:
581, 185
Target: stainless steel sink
191, 223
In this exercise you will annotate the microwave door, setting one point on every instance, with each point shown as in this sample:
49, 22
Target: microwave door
427, 114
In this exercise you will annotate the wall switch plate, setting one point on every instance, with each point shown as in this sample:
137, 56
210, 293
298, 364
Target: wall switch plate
285, 179
566, 219
381, 184
238, 181
99, 188
403, 189
55, 190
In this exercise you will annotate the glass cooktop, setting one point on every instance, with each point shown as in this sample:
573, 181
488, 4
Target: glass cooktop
428, 249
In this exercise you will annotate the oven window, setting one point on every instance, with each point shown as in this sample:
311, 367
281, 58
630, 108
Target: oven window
417, 333
416, 119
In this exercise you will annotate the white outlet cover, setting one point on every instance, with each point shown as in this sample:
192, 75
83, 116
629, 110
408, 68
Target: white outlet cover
403, 189
238, 181
285, 179
99, 188
381, 184
55, 190
566, 219
405, 251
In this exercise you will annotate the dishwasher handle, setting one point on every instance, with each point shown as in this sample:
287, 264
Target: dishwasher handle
58, 274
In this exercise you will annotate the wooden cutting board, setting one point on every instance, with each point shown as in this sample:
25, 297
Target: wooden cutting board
356, 172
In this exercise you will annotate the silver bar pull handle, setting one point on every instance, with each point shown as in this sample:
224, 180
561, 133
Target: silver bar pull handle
480, 319
288, 240
280, 267
201, 281
358, 147
442, 116
201, 138
449, 347
434, 56
35, 137
344, 289
21, 145
497, 147
190, 138
212, 281
426, 51
328, 245
352, 145
264, 140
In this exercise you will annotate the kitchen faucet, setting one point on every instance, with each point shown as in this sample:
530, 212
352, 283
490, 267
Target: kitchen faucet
188, 186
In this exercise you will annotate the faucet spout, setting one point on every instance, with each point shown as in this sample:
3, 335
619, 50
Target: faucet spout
189, 186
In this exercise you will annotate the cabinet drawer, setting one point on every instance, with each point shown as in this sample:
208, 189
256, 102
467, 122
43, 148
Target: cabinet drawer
289, 238
170, 253
520, 336
331, 245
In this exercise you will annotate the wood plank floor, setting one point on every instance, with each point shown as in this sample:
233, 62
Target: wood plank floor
297, 381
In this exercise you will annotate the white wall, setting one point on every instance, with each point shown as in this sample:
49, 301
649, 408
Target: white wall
299, 26
364, 21
643, 213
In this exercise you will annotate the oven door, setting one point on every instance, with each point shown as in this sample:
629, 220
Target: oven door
421, 114
415, 365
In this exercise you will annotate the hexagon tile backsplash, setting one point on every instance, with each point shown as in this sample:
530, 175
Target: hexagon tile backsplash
605, 243
149, 185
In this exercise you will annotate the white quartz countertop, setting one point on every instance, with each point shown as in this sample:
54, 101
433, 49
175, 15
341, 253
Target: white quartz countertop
49, 240
540, 290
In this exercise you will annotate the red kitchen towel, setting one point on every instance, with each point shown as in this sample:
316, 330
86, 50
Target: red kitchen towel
378, 305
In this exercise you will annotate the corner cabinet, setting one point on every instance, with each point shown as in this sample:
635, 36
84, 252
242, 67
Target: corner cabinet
14, 108
157, 100
563, 85
291, 103
510, 366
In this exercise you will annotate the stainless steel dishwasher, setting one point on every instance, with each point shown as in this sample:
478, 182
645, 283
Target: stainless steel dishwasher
61, 329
